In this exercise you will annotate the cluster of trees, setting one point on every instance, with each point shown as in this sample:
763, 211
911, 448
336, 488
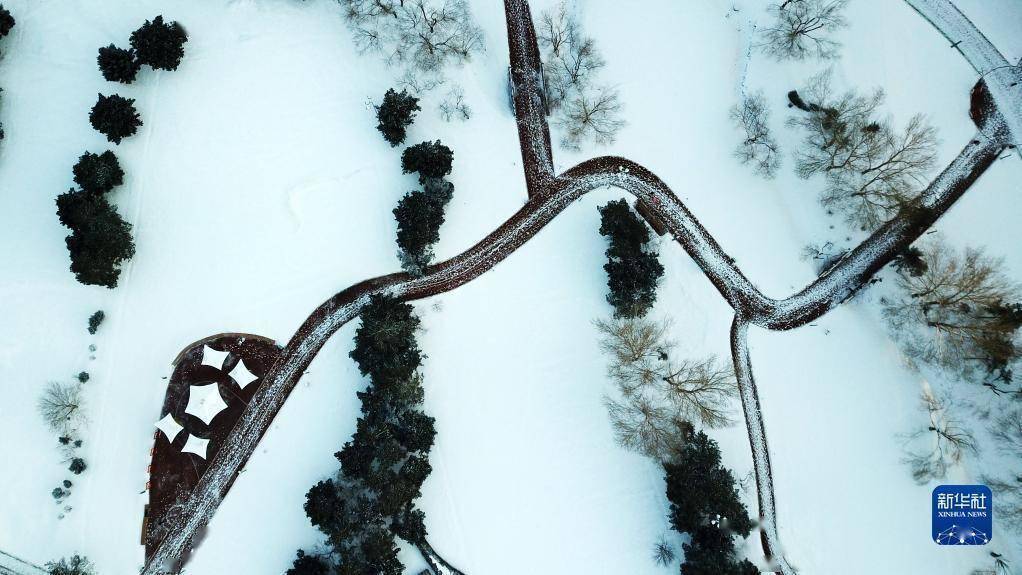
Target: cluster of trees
801, 29
585, 110
633, 269
6, 25
100, 239
156, 43
425, 35
420, 213
385, 463
659, 394
659, 399
958, 311
1007, 434
705, 504
759, 148
872, 170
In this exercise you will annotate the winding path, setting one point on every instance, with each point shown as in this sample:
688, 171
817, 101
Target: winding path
549, 194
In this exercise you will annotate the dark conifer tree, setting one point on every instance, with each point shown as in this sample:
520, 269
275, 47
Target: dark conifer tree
632, 270
419, 216
74, 565
6, 21
395, 114
711, 552
702, 490
100, 240
309, 565
118, 64
115, 117
159, 44
429, 159
98, 173
910, 261
77, 466
95, 320
385, 346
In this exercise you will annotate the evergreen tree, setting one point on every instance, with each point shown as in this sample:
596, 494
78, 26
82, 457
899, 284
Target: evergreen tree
100, 240
95, 320
6, 21
308, 565
419, 217
711, 552
910, 261
159, 44
395, 114
74, 565
98, 174
118, 64
115, 117
77, 466
701, 490
385, 346
632, 270
429, 159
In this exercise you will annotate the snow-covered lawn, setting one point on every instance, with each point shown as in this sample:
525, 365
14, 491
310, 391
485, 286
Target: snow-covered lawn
262, 149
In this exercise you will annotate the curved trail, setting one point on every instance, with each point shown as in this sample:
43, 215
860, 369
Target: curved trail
549, 195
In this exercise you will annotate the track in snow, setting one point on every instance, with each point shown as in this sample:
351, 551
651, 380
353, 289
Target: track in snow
549, 194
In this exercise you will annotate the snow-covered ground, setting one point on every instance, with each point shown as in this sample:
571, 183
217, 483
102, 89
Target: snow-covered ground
258, 187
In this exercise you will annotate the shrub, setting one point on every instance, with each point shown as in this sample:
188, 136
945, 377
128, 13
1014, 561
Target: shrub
159, 44
118, 64
95, 320
98, 174
6, 21
429, 159
77, 466
115, 117
82, 377
395, 114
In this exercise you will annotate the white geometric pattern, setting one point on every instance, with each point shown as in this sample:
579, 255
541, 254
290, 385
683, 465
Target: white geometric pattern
169, 426
213, 358
242, 375
196, 445
205, 402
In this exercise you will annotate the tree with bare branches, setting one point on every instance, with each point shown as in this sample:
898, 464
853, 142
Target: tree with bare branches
592, 115
938, 446
802, 29
759, 148
1007, 434
871, 169
965, 312
660, 394
586, 112
425, 34
61, 406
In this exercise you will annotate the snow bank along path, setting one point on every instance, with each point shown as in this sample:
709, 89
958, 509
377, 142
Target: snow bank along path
549, 195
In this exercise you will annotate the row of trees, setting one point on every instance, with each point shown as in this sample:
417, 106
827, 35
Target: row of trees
157, 44
585, 110
385, 463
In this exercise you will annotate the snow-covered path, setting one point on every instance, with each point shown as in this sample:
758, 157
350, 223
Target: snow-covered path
549, 197
1004, 80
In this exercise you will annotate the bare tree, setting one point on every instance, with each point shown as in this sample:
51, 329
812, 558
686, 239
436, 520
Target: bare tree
660, 395
60, 406
427, 34
940, 445
453, 105
803, 28
872, 170
962, 305
1000, 566
591, 116
752, 116
1007, 432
